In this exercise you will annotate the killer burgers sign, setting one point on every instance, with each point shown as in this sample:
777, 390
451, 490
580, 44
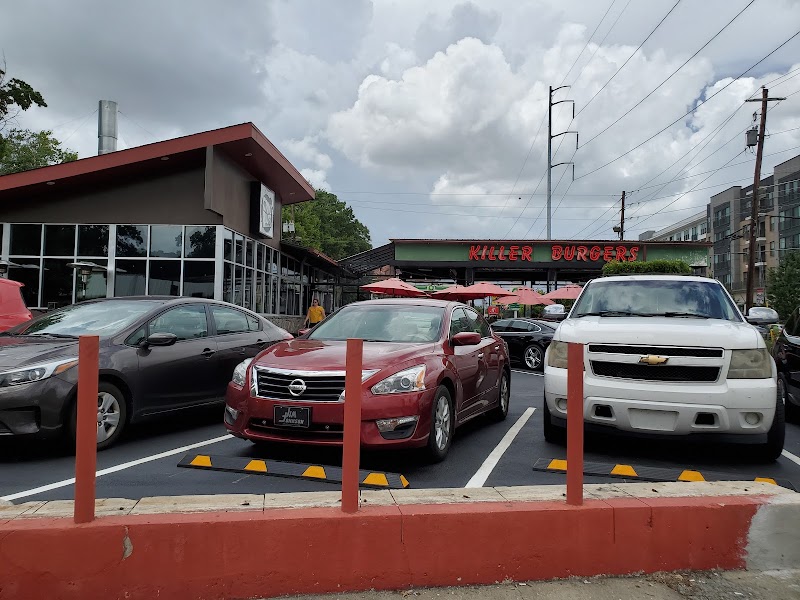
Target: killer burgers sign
558, 253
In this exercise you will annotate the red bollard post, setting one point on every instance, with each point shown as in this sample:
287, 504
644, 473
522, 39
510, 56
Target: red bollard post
575, 424
352, 425
86, 435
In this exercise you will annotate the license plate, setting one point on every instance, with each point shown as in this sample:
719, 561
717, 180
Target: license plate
292, 416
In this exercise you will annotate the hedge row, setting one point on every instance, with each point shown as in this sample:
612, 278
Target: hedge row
675, 267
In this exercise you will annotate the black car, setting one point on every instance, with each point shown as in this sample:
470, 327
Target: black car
158, 355
527, 339
787, 359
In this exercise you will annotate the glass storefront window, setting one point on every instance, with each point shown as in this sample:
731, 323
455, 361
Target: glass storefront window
238, 242
201, 242
260, 248
249, 288
198, 278
238, 288
96, 284
26, 239
130, 277
132, 240
228, 245
28, 274
260, 293
250, 251
166, 241
93, 240
59, 240
165, 278
57, 281
227, 284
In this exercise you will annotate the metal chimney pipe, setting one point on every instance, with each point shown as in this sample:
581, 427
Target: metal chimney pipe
107, 127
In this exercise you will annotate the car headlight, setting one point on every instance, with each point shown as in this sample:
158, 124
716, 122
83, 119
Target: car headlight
240, 372
557, 355
750, 364
407, 380
36, 372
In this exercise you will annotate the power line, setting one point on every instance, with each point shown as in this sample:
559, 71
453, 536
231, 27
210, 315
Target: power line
147, 131
671, 75
664, 18
612, 161
80, 125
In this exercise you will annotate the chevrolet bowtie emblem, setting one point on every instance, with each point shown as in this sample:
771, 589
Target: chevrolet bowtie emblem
652, 359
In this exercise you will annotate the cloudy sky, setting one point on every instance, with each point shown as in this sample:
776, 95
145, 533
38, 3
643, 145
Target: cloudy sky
429, 118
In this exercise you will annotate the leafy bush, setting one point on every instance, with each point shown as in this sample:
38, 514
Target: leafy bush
783, 285
673, 267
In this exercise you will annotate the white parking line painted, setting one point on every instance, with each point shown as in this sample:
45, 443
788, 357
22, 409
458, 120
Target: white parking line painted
491, 461
114, 469
795, 459
527, 372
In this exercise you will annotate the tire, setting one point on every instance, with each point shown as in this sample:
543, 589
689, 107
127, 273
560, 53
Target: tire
442, 425
552, 433
114, 410
792, 410
500, 412
771, 451
533, 357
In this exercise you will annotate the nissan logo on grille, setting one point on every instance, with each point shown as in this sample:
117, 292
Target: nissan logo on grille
297, 387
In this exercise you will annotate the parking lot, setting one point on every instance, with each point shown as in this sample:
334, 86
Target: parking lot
484, 453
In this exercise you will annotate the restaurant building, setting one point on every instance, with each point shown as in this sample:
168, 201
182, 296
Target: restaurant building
534, 262
197, 216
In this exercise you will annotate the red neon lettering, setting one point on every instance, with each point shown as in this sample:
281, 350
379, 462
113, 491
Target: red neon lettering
512, 252
491, 253
595, 252
501, 255
634, 252
582, 250
526, 253
474, 252
608, 253
569, 252
483, 254
557, 252
621, 252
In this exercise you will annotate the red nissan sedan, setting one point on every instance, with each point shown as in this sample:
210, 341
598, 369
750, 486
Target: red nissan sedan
429, 366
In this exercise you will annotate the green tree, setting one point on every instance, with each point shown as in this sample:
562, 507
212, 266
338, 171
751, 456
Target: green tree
783, 285
327, 224
22, 150
15, 92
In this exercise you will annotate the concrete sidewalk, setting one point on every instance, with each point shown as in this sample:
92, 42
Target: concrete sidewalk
727, 585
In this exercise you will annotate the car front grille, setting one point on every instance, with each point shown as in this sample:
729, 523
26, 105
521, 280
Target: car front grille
659, 350
319, 387
678, 373
320, 432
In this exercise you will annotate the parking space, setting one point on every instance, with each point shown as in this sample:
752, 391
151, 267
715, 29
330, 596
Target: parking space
483, 453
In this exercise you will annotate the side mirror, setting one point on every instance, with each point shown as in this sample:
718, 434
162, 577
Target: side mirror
161, 339
467, 338
303, 331
761, 315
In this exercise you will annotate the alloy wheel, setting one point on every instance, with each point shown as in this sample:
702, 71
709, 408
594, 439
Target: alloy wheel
533, 357
442, 422
108, 416
504, 394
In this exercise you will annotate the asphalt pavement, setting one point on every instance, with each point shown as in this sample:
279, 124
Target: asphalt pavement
486, 453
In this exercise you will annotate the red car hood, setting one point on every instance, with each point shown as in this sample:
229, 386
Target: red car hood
315, 355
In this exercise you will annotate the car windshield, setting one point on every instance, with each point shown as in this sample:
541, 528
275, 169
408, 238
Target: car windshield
654, 297
93, 318
382, 323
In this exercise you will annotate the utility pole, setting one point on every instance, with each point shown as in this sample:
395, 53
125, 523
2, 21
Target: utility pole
620, 229
550, 165
751, 259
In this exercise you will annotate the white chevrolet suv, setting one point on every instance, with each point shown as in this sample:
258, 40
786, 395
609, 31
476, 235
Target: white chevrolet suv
666, 355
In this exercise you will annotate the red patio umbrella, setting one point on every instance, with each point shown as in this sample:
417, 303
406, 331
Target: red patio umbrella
568, 292
482, 290
451, 293
526, 297
394, 287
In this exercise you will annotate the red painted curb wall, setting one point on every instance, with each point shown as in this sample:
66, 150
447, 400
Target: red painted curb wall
215, 556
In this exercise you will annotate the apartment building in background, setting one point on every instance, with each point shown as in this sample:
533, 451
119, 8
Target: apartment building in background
726, 224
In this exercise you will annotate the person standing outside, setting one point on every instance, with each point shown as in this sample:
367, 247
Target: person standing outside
315, 314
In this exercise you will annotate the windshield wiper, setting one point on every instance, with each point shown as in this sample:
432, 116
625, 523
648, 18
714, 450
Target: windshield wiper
684, 314
61, 336
613, 313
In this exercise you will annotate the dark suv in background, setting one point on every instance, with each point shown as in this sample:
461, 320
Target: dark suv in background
786, 353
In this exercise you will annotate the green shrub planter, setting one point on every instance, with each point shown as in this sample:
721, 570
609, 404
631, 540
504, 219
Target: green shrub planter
652, 267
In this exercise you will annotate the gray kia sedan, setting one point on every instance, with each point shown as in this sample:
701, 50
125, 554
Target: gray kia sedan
158, 355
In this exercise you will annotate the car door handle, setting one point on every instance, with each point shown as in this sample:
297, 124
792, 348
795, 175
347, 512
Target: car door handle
480, 354
208, 352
